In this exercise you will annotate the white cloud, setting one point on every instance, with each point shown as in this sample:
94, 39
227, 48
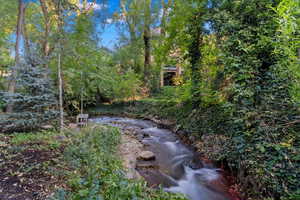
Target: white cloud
109, 21
93, 5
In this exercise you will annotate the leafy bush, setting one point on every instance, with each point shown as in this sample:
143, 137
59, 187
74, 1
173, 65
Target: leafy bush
99, 84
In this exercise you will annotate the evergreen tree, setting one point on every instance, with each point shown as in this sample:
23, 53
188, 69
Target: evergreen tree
34, 101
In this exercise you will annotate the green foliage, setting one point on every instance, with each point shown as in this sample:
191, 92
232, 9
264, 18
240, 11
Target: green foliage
90, 70
97, 170
288, 41
259, 97
22, 138
7, 26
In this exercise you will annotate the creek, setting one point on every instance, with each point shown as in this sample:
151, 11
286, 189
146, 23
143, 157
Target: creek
176, 167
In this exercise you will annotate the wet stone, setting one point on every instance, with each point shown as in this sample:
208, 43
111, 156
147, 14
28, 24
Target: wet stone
146, 135
146, 155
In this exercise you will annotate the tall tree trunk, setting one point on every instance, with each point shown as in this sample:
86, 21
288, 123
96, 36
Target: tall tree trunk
25, 35
46, 45
131, 22
195, 57
147, 38
12, 82
165, 6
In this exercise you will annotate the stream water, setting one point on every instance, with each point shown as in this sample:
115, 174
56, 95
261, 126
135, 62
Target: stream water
176, 167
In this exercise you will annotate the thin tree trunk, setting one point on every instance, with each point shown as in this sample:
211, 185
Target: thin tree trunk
12, 82
59, 70
147, 38
61, 110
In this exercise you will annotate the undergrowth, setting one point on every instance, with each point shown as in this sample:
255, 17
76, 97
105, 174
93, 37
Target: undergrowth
97, 171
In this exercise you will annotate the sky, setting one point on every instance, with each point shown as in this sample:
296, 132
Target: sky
110, 35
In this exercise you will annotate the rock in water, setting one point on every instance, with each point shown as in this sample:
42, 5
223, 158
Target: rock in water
146, 155
47, 127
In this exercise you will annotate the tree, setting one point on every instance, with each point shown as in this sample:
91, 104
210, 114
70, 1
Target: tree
195, 29
34, 101
140, 18
46, 46
12, 81
165, 10
131, 17
147, 41
59, 10
7, 27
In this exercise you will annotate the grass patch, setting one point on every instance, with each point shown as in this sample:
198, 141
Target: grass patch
44, 136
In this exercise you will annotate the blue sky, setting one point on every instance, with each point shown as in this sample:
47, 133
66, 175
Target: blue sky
110, 35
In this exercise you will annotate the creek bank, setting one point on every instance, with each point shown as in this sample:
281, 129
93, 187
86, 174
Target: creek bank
128, 150
205, 151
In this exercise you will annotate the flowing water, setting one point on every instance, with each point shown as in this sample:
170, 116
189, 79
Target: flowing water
176, 167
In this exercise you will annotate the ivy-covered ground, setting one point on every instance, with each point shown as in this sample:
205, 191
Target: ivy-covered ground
70, 166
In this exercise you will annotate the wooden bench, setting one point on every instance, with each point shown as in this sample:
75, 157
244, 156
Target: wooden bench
82, 120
